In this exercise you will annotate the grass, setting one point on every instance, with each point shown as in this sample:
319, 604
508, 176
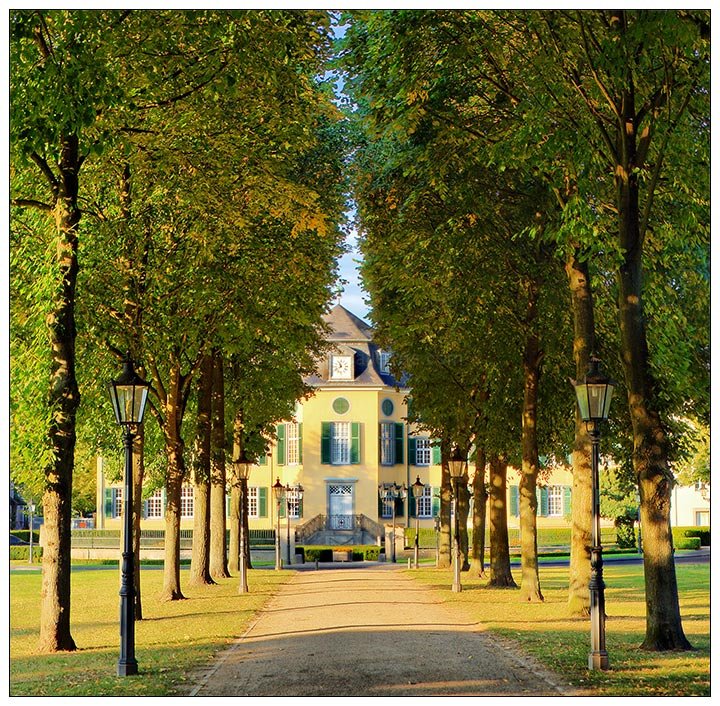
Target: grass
181, 636
174, 638
562, 643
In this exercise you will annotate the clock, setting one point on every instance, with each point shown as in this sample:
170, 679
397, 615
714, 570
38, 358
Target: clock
340, 367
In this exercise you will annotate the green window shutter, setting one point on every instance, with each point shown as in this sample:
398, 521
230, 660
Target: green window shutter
514, 501
281, 457
412, 450
436, 453
544, 505
399, 441
108, 502
281, 509
435, 505
262, 502
567, 500
300, 508
325, 442
399, 507
300, 442
355, 442
411, 505
262, 460
144, 509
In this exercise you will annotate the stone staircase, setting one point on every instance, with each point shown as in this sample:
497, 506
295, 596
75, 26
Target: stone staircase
317, 531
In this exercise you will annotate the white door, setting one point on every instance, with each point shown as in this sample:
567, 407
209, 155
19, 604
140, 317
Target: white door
340, 511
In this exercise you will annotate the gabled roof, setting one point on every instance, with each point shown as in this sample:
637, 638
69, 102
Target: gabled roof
347, 327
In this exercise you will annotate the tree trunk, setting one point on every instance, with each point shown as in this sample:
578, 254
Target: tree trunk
63, 401
664, 629
532, 357
218, 482
463, 510
200, 562
234, 546
174, 448
500, 574
445, 558
581, 510
138, 475
477, 565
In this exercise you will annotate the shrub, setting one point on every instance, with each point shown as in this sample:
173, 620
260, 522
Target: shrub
24, 535
368, 552
702, 534
22, 553
688, 543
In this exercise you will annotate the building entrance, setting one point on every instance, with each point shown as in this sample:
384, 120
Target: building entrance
340, 506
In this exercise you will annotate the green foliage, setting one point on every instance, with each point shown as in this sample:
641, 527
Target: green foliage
688, 543
702, 534
18, 553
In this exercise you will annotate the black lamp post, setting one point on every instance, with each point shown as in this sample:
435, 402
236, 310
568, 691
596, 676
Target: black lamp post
278, 492
128, 395
457, 468
594, 394
390, 492
298, 491
418, 489
243, 473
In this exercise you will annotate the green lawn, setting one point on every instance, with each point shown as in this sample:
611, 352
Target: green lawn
172, 640
179, 637
562, 644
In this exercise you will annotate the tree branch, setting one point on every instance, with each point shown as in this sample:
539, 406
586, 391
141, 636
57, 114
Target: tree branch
30, 203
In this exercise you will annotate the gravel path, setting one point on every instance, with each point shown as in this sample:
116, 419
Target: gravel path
369, 631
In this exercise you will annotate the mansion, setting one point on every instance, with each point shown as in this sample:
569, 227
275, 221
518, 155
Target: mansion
343, 442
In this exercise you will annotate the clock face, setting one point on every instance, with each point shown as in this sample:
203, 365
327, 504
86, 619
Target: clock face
341, 367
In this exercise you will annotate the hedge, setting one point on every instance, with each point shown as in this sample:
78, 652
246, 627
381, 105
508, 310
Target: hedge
682, 534
22, 553
24, 535
687, 543
366, 552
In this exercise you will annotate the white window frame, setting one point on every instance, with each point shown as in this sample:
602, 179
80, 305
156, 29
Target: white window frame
384, 361
423, 451
555, 496
340, 443
292, 443
155, 505
293, 503
387, 443
117, 502
187, 500
387, 509
253, 502
425, 503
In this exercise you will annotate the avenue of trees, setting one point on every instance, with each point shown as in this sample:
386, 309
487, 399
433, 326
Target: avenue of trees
533, 188
177, 193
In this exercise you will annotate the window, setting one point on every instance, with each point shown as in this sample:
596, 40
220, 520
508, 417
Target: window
293, 444
555, 500
387, 443
340, 443
340, 405
702, 518
384, 361
253, 505
187, 502
422, 451
155, 504
117, 499
425, 503
387, 408
294, 503
386, 508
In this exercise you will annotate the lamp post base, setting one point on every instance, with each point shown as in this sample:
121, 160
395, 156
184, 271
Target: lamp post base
598, 660
457, 588
127, 668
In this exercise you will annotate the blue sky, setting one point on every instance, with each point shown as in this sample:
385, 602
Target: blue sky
353, 297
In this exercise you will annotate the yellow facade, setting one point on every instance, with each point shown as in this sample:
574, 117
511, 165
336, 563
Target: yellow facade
344, 441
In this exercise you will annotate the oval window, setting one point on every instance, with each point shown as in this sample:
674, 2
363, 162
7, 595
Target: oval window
388, 408
340, 405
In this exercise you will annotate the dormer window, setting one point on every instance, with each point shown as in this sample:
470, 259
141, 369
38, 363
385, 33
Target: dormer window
384, 361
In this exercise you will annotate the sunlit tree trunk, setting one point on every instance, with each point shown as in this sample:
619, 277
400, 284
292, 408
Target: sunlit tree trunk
477, 564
